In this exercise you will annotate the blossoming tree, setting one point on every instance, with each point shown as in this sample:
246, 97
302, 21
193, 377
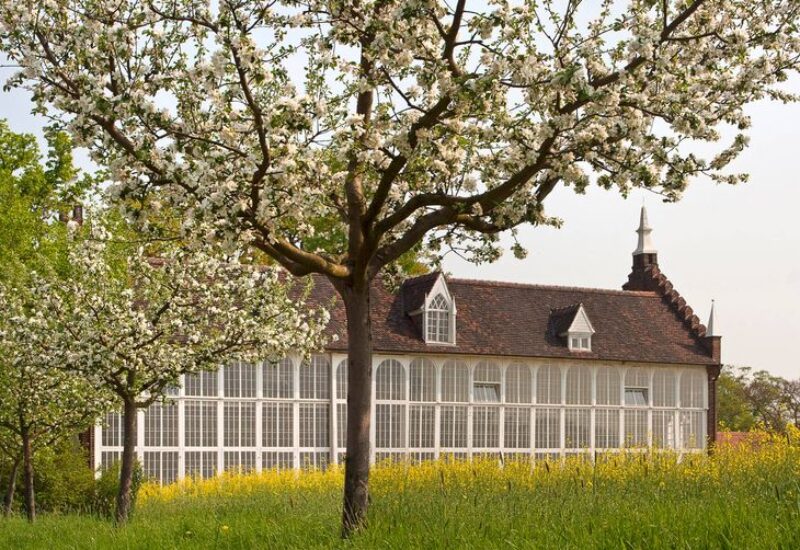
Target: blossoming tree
405, 123
39, 402
131, 320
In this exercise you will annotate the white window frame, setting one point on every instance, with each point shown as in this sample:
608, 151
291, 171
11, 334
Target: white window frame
446, 410
439, 289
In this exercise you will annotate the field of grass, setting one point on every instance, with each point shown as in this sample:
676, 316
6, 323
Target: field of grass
738, 499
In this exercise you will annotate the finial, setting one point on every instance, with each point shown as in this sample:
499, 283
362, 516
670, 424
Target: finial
645, 244
710, 325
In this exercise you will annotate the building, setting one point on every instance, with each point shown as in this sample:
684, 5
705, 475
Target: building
462, 368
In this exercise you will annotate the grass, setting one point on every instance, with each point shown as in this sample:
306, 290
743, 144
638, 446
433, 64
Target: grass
740, 498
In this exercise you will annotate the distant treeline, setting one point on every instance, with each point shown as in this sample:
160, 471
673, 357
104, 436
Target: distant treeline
750, 398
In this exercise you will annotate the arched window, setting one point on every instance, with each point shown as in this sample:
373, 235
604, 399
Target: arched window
423, 380
341, 380
390, 416
390, 381
239, 380
277, 418
693, 389
663, 388
518, 383
437, 321
486, 385
548, 384
314, 417
455, 381
608, 386
637, 387
579, 386
279, 379
421, 414
486, 418
315, 378
341, 405
453, 422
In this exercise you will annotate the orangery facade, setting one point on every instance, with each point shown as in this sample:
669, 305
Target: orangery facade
461, 369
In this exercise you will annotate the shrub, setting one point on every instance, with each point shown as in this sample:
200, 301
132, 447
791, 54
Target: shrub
106, 488
63, 481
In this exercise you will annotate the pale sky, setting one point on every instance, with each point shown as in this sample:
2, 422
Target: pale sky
738, 245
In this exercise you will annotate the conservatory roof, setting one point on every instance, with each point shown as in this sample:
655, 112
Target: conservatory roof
520, 320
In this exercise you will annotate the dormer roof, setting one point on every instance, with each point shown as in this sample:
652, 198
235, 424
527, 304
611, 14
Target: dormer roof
571, 320
414, 291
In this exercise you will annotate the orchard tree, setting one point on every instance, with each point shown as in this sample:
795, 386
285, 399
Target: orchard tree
34, 193
403, 124
40, 403
134, 318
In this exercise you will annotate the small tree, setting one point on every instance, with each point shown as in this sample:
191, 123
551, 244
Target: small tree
765, 396
791, 399
403, 124
34, 192
733, 407
40, 403
132, 323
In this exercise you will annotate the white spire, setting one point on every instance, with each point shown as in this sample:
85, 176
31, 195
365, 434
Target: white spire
645, 245
710, 325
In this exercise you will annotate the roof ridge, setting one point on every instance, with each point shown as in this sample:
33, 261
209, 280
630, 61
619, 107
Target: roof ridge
560, 288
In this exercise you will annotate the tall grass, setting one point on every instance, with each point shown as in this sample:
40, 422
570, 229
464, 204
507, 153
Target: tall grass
740, 498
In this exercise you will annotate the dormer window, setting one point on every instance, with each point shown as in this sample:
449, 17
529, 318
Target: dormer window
582, 343
439, 314
580, 331
433, 308
437, 320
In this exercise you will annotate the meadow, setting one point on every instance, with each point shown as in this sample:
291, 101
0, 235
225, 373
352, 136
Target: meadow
743, 497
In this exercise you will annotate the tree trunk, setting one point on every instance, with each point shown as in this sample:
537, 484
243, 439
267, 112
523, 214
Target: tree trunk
125, 496
359, 397
27, 467
8, 499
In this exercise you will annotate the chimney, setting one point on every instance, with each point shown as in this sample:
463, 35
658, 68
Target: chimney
645, 258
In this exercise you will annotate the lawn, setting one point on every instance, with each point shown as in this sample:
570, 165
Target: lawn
740, 498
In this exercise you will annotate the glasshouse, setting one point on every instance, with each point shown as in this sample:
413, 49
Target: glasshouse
462, 368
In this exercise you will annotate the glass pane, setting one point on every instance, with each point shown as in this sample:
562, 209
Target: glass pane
518, 384
636, 397
487, 393
390, 381
548, 385
608, 385
423, 380
455, 381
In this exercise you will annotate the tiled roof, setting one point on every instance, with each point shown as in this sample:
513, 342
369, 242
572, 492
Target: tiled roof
561, 318
507, 319
413, 290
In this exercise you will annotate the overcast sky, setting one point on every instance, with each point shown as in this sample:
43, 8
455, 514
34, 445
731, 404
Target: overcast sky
737, 245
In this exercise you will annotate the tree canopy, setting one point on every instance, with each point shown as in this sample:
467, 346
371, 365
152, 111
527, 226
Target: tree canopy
416, 118
421, 125
750, 398
33, 193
